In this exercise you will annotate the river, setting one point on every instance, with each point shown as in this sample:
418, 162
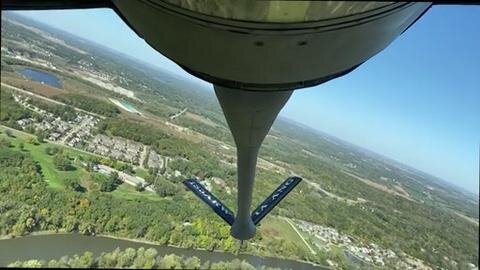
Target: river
54, 246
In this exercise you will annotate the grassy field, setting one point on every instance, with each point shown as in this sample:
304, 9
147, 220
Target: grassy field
273, 226
56, 178
141, 173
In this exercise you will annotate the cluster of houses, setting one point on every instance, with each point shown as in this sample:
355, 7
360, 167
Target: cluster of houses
52, 125
154, 160
55, 127
207, 183
117, 148
80, 136
370, 253
350, 165
325, 234
135, 181
157, 161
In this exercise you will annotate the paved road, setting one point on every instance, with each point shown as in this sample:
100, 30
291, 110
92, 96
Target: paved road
49, 99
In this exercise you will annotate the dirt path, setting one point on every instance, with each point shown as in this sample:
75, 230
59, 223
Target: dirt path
474, 221
300, 235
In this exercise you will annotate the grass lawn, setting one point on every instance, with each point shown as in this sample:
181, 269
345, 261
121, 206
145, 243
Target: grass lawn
141, 173
312, 240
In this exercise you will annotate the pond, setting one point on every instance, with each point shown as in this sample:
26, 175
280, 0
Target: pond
128, 105
42, 77
54, 246
124, 105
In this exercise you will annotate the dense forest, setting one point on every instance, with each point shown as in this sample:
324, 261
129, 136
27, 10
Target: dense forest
66, 113
10, 111
140, 132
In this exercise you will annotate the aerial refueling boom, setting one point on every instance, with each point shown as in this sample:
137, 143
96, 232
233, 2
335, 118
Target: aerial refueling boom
256, 53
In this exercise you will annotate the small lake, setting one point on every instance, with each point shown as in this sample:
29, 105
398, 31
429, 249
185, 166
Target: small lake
128, 105
54, 246
42, 77
124, 105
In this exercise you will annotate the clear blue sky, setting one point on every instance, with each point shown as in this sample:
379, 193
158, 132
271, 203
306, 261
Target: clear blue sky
418, 101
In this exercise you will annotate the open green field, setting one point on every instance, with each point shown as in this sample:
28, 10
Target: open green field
54, 177
312, 240
141, 173
273, 226
129, 193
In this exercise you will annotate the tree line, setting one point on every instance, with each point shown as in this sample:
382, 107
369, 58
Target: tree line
140, 258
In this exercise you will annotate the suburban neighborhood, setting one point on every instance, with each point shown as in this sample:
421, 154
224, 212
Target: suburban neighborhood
77, 133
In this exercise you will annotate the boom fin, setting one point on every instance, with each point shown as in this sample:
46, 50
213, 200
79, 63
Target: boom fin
277, 196
220, 209
258, 214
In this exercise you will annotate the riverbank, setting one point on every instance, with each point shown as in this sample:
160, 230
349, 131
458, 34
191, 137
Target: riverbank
141, 241
6, 237
122, 242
